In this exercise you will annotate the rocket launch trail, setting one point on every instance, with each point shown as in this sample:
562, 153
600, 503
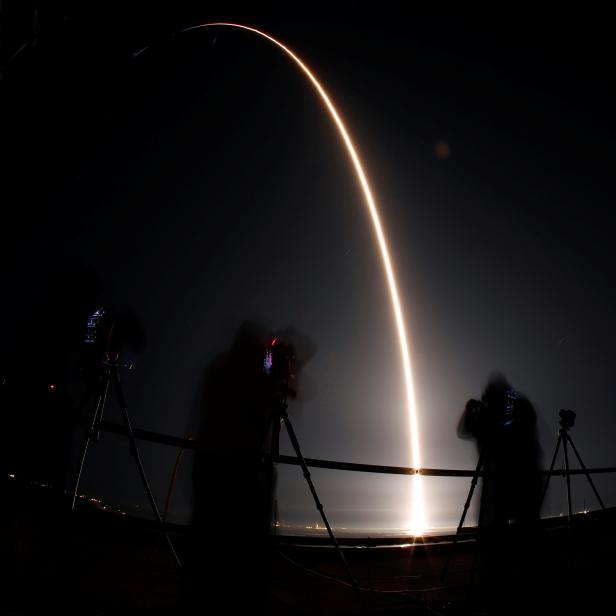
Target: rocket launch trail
417, 521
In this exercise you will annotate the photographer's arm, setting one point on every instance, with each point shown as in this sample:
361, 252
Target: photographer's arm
467, 426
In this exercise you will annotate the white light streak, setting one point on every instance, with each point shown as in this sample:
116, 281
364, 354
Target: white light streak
417, 523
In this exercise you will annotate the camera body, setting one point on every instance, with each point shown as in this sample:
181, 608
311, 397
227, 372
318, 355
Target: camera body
107, 333
567, 418
97, 329
279, 359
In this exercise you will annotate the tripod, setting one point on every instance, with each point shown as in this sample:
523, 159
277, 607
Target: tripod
111, 374
293, 437
564, 437
467, 504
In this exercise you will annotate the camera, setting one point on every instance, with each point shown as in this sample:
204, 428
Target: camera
94, 327
108, 332
279, 359
567, 418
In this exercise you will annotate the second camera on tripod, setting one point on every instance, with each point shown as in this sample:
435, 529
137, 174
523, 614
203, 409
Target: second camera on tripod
567, 418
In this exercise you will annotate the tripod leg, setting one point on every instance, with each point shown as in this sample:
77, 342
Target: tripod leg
568, 477
96, 419
174, 475
462, 518
300, 457
135, 452
547, 481
592, 485
84, 401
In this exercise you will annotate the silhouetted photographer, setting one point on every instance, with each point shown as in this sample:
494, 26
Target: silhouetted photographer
503, 423
244, 396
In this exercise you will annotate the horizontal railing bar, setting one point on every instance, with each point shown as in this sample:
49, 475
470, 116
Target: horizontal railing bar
152, 437
188, 443
429, 472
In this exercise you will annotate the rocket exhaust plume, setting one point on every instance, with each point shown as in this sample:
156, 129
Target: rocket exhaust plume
417, 522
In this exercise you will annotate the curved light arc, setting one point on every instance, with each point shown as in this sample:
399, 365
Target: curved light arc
417, 522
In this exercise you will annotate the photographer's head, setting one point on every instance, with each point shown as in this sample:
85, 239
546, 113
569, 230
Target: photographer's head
126, 334
248, 344
496, 390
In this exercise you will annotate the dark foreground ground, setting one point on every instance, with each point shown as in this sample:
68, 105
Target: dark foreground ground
98, 563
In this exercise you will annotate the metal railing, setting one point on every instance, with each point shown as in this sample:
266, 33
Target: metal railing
185, 443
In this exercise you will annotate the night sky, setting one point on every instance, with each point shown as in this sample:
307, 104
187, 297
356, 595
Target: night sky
200, 183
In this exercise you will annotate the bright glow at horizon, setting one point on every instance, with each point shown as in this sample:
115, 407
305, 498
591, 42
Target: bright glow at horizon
417, 523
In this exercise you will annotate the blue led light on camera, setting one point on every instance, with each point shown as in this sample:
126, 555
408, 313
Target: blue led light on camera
92, 326
268, 361
512, 396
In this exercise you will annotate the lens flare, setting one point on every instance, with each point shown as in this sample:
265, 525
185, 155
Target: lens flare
417, 523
